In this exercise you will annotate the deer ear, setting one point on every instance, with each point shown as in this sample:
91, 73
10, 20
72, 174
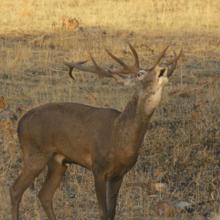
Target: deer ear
162, 71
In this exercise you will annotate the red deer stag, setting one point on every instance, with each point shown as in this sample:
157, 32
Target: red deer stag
103, 140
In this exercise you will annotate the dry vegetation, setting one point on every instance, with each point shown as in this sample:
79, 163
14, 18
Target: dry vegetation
180, 157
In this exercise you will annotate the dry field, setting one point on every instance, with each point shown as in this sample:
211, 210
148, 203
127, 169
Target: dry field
180, 158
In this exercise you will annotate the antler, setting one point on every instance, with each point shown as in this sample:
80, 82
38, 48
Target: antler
159, 58
116, 74
133, 69
77, 65
93, 69
127, 70
173, 63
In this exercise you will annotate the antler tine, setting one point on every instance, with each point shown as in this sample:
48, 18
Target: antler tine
133, 69
99, 70
116, 59
179, 55
173, 63
94, 62
137, 64
74, 65
71, 73
176, 57
162, 54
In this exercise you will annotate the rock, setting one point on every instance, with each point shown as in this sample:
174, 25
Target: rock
8, 115
170, 208
182, 204
159, 187
166, 209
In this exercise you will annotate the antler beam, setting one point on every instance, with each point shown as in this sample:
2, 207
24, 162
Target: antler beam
101, 72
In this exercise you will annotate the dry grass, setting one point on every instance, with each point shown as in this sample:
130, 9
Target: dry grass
149, 15
181, 148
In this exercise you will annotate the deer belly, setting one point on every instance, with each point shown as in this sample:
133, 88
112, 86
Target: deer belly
74, 149
83, 160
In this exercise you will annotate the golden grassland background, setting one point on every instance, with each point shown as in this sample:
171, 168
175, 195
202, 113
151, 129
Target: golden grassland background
149, 15
181, 147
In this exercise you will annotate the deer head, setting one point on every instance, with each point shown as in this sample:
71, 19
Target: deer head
148, 83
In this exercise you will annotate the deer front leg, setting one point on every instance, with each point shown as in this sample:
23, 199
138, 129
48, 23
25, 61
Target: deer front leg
100, 188
112, 191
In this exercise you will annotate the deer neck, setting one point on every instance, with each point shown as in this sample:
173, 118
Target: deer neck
131, 125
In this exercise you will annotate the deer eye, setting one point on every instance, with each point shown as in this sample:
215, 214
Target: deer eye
162, 71
140, 74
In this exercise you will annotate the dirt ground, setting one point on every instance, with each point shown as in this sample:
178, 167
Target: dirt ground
182, 142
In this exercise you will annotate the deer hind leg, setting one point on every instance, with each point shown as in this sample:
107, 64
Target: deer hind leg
33, 165
55, 173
